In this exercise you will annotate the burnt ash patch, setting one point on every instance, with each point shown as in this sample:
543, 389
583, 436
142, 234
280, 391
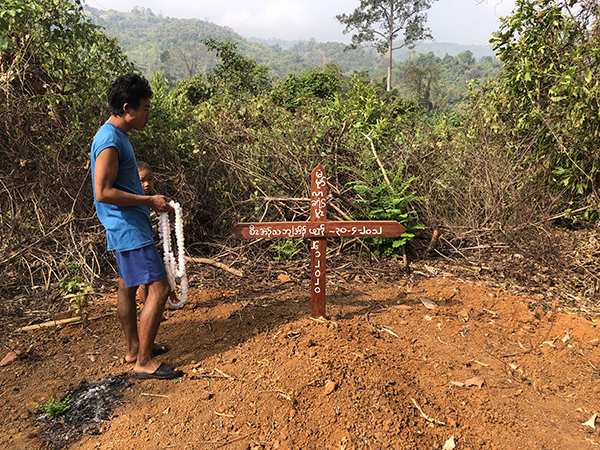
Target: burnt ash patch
91, 403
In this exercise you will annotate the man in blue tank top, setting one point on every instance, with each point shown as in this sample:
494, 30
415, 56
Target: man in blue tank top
124, 210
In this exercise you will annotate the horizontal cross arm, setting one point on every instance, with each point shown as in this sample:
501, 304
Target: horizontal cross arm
359, 228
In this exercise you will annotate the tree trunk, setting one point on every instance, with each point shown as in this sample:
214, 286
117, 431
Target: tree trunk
389, 76
390, 39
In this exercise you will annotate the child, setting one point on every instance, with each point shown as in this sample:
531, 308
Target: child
146, 176
147, 180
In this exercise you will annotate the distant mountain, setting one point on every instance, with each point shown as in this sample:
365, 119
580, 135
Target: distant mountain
440, 49
173, 46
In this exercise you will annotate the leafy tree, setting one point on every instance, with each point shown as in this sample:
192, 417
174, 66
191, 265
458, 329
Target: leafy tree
295, 90
548, 94
379, 22
195, 89
166, 65
421, 82
56, 67
235, 74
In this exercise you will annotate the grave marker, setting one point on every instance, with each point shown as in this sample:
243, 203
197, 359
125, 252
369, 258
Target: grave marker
318, 230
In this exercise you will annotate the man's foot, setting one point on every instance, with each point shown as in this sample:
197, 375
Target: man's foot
164, 372
157, 349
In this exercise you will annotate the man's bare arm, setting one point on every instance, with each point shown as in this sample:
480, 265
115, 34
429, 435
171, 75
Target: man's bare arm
105, 174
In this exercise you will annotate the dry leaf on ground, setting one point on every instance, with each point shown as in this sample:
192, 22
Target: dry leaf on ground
449, 445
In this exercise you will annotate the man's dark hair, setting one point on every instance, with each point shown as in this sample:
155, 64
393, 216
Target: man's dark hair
127, 89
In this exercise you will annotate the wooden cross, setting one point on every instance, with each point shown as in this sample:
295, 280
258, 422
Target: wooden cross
318, 230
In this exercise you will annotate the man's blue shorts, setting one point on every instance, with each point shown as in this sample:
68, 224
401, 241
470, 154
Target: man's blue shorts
141, 266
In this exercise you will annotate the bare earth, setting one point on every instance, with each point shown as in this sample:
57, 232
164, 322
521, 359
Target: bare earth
483, 369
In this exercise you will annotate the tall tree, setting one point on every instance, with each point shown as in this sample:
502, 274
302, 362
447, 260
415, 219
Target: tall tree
378, 24
421, 82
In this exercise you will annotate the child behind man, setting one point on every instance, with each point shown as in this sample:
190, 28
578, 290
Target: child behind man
147, 179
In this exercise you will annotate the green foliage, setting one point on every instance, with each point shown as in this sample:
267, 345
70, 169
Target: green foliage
74, 287
375, 123
54, 408
549, 91
362, 107
195, 90
235, 74
296, 90
287, 248
441, 84
56, 68
422, 82
173, 47
9, 11
47, 30
76, 299
391, 201
71, 281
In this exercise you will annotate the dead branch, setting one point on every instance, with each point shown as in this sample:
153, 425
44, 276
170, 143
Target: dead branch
215, 264
56, 323
385, 177
350, 203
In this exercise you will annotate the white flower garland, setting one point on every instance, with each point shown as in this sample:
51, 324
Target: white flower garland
174, 270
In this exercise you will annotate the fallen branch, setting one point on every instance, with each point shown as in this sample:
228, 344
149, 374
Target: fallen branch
348, 202
56, 323
219, 374
216, 264
568, 213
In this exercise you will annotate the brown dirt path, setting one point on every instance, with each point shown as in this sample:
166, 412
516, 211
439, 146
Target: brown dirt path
383, 372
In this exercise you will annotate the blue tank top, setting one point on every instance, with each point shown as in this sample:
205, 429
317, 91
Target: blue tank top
127, 227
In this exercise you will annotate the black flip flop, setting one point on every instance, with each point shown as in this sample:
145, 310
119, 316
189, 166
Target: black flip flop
159, 349
164, 372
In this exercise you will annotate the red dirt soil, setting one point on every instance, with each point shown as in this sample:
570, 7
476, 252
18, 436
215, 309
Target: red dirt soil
483, 369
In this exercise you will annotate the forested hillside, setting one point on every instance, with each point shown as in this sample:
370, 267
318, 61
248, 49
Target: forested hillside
174, 47
438, 48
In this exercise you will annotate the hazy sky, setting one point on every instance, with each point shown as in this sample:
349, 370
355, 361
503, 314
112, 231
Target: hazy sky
458, 21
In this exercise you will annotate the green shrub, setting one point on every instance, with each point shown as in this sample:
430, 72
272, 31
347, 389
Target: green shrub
55, 408
391, 201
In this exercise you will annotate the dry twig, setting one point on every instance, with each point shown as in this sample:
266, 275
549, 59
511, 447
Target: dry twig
425, 416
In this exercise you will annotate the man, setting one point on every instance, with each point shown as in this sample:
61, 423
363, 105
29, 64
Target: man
124, 210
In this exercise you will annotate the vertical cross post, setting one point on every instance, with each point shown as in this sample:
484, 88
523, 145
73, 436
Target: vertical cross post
318, 245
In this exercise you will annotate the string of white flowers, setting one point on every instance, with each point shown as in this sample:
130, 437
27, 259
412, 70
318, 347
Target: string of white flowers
174, 270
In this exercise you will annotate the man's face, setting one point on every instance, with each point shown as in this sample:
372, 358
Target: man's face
147, 179
138, 118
